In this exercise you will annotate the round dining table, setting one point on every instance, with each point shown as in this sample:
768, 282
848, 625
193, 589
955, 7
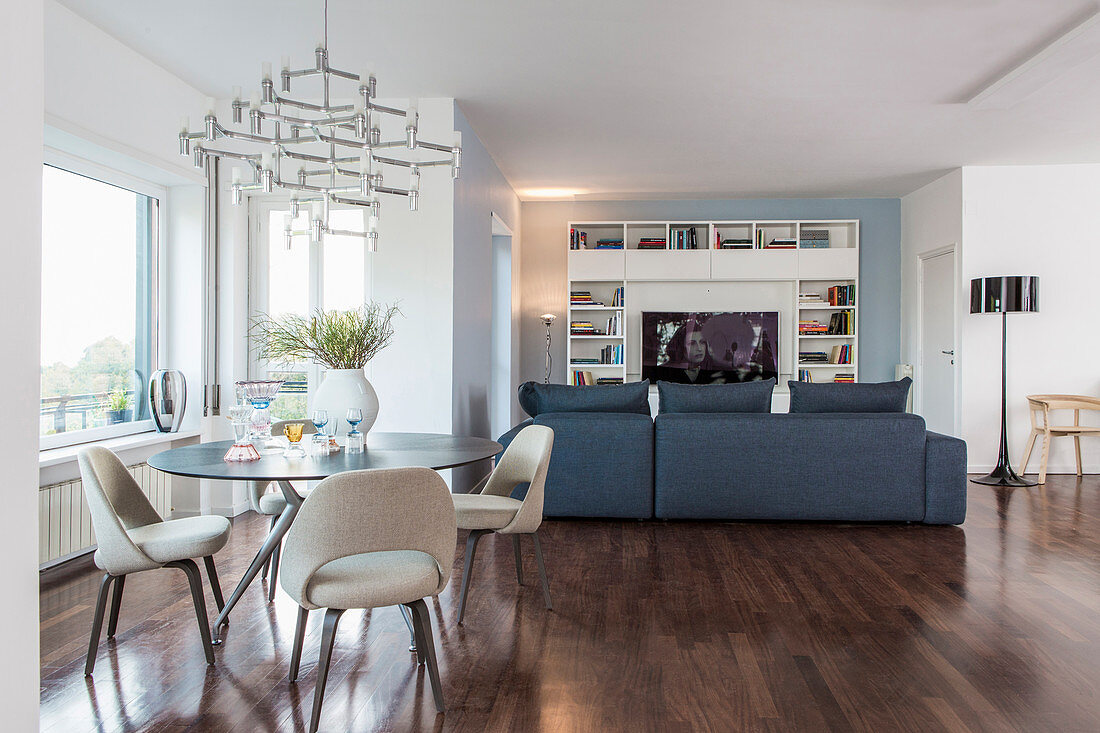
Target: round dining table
383, 450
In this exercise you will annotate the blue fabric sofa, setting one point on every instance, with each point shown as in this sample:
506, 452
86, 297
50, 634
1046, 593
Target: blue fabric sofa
871, 467
611, 459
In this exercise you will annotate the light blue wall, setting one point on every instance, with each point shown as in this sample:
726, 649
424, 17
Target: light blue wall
879, 259
480, 192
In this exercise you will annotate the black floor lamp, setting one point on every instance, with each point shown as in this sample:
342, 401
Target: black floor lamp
1004, 295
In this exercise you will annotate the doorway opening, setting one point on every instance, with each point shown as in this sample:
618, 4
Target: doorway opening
937, 373
500, 351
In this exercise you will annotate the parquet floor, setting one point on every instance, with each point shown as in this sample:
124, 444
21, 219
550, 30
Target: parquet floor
994, 626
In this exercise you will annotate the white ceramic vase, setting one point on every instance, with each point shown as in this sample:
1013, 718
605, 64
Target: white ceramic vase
344, 388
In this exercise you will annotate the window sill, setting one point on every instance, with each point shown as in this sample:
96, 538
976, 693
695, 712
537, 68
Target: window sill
67, 454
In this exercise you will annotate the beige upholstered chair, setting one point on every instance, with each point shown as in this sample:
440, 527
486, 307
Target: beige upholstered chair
491, 508
132, 537
366, 539
271, 504
1041, 406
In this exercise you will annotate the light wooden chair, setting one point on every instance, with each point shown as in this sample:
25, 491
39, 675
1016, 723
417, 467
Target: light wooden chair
1041, 406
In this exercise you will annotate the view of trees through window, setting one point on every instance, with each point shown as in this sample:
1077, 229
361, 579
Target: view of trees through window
97, 279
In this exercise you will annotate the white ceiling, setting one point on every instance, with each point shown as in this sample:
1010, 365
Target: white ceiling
705, 98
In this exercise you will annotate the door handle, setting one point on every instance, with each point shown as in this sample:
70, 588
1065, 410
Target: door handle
949, 353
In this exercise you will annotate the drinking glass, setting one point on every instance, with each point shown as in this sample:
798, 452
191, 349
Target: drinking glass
355, 438
293, 433
320, 420
354, 417
242, 449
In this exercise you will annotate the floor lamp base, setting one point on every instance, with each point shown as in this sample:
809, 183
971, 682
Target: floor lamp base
1003, 476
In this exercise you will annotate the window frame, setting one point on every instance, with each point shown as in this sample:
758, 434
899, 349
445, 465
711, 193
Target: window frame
259, 217
89, 169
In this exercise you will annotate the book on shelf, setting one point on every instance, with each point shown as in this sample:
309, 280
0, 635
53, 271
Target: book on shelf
615, 324
812, 328
584, 378
810, 299
582, 328
582, 297
782, 243
805, 375
609, 243
684, 239
610, 354
652, 243
844, 378
617, 297
841, 354
813, 239
735, 244
841, 323
813, 357
842, 295
577, 239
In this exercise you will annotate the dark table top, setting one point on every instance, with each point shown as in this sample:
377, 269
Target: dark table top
384, 450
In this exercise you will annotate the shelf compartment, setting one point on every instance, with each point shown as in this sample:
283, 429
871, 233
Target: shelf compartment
754, 264
679, 264
591, 264
827, 264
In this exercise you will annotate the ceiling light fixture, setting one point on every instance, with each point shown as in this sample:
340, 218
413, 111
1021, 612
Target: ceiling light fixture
335, 145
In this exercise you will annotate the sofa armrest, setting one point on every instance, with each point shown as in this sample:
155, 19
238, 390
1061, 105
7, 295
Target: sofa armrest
945, 479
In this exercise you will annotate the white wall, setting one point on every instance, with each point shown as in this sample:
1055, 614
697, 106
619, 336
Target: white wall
931, 218
105, 92
1031, 220
21, 49
480, 192
123, 111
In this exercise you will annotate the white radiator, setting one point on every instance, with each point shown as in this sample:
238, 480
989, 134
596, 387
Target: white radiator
65, 525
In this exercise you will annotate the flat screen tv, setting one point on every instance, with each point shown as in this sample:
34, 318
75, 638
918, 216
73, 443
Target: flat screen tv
710, 348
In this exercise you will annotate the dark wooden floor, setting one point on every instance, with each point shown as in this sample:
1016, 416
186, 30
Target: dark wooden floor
680, 626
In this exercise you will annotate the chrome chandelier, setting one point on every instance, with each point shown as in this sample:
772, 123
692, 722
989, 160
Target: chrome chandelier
338, 148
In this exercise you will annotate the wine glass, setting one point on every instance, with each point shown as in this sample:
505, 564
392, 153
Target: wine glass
320, 420
354, 417
355, 438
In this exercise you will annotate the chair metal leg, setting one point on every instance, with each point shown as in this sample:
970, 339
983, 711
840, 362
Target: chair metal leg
471, 548
215, 586
519, 558
407, 615
299, 639
542, 571
423, 622
274, 582
328, 637
195, 580
97, 621
267, 563
116, 603
418, 636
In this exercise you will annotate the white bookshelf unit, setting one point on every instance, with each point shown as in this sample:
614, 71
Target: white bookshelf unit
714, 276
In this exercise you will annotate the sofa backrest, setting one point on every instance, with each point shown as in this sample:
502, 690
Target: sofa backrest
538, 399
859, 467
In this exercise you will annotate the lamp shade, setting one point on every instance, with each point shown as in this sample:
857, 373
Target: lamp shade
1005, 294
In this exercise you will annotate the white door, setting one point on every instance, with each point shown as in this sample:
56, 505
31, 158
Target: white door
936, 371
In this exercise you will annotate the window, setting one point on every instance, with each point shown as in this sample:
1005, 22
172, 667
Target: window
332, 275
100, 231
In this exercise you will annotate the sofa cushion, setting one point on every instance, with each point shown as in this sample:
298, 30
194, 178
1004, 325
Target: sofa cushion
537, 399
856, 397
737, 397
